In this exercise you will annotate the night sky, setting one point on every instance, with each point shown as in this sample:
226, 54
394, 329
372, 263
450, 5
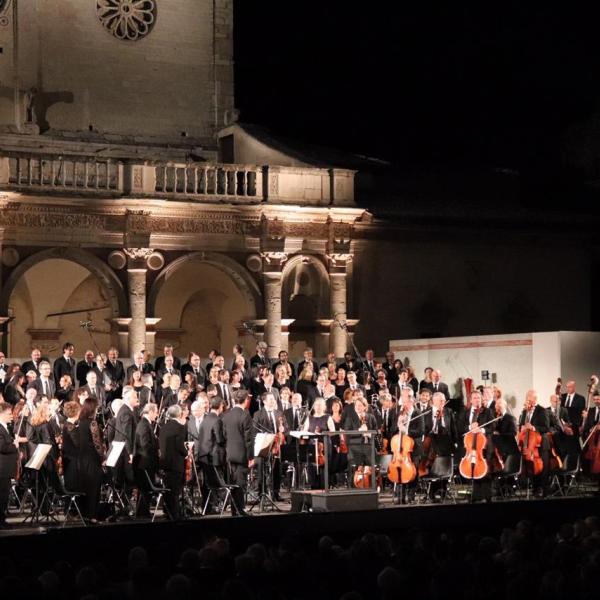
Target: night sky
494, 84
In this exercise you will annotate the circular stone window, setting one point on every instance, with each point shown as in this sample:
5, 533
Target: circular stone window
128, 20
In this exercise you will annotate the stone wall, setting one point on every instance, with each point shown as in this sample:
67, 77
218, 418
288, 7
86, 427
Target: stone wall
174, 83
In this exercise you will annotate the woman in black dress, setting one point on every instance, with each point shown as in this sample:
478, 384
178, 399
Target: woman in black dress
306, 383
70, 444
14, 389
89, 460
317, 422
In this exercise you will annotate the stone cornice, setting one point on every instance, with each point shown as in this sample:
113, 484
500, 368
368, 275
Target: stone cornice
105, 222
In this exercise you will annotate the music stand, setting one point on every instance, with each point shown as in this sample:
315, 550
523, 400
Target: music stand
263, 443
35, 463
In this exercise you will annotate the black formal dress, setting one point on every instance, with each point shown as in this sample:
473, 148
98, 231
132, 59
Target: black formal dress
89, 466
125, 424
172, 460
239, 446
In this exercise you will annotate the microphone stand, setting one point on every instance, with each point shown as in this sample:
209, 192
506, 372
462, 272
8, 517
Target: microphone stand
344, 326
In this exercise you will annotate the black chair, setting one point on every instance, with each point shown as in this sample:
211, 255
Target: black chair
507, 480
69, 500
441, 471
217, 487
157, 491
565, 479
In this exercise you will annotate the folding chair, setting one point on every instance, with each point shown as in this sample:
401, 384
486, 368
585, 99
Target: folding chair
565, 479
218, 489
508, 479
442, 471
158, 491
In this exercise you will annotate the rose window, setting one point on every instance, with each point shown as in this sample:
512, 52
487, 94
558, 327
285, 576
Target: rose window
128, 20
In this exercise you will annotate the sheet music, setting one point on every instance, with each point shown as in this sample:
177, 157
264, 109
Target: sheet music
116, 449
39, 456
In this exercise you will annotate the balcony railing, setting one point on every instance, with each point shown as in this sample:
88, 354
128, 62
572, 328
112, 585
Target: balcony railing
204, 182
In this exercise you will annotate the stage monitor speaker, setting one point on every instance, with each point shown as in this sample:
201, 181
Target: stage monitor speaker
334, 500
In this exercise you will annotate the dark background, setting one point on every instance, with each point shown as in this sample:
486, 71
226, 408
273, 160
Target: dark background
494, 84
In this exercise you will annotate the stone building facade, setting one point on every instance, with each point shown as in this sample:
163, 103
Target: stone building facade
130, 197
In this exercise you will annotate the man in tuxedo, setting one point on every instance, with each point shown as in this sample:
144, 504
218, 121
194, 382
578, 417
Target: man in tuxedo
239, 446
193, 365
330, 359
267, 387
84, 367
43, 385
284, 361
424, 399
145, 457
94, 389
34, 363
294, 415
139, 364
146, 393
224, 390
173, 453
116, 370
161, 361
535, 418
441, 426
270, 420
125, 426
437, 385
592, 417
210, 454
369, 363
8, 460
388, 367
65, 365
308, 358
575, 405
167, 366
260, 358
352, 382
349, 363
317, 391
198, 413
389, 419
560, 428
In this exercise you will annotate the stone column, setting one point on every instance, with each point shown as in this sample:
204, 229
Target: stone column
272, 275
338, 340
136, 282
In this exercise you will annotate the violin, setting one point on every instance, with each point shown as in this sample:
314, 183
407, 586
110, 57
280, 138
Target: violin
401, 468
58, 462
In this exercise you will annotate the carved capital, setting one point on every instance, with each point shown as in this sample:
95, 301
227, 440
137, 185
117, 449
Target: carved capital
138, 254
339, 260
274, 261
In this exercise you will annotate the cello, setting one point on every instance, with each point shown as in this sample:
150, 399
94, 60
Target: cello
401, 468
529, 442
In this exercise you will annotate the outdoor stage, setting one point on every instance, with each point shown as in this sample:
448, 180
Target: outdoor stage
82, 545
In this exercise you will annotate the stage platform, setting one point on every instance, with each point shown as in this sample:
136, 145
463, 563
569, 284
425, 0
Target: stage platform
81, 545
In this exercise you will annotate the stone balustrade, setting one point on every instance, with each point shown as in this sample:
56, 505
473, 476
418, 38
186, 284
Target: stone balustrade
202, 181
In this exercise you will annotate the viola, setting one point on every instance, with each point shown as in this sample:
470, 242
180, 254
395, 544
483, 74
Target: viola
401, 468
473, 465
188, 464
279, 439
529, 443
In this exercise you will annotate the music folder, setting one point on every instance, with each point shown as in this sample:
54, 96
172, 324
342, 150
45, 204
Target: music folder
38, 457
116, 448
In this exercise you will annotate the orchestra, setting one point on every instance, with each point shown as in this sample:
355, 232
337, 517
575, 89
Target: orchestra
192, 427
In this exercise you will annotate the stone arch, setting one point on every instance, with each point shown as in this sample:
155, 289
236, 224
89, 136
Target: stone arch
114, 287
310, 286
244, 281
